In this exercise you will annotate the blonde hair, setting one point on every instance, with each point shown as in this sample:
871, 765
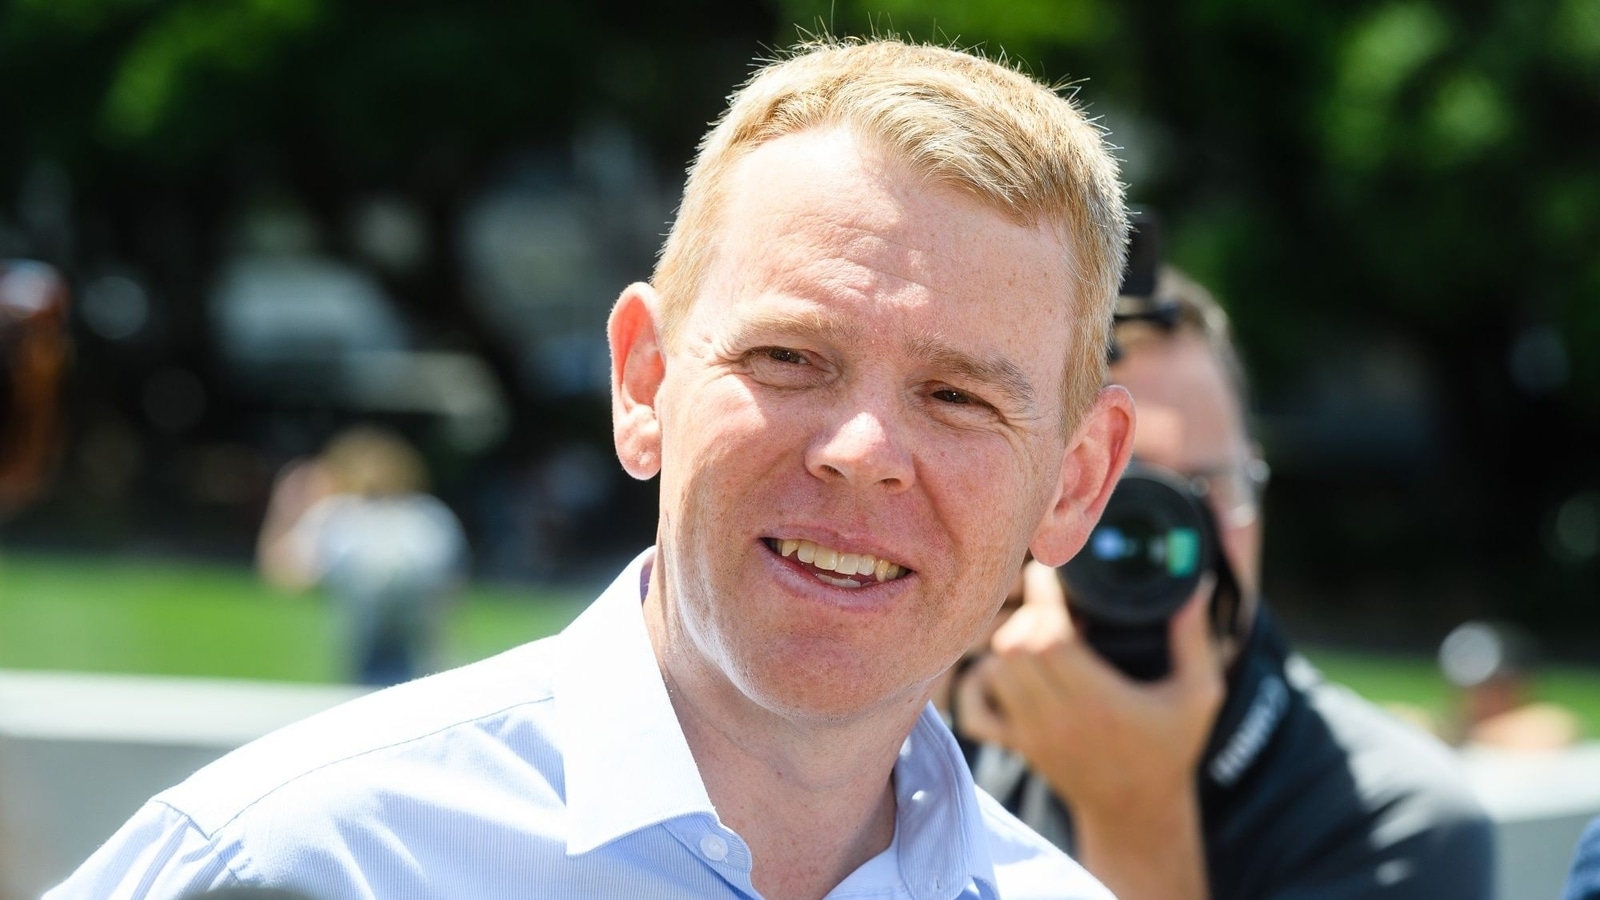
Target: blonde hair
1017, 146
374, 462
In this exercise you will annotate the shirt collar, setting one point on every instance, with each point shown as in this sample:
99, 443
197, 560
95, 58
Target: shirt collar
941, 834
627, 763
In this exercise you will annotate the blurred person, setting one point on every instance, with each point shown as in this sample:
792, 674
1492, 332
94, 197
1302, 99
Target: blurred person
34, 350
1239, 773
886, 294
1583, 882
358, 520
1492, 667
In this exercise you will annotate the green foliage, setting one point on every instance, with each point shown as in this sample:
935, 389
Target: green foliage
1021, 28
1378, 58
1574, 35
186, 44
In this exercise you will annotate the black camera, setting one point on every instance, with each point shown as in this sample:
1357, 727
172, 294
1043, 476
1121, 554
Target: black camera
1157, 537
1153, 544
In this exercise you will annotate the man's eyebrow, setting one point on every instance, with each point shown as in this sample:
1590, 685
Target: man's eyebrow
996, 372
789, 321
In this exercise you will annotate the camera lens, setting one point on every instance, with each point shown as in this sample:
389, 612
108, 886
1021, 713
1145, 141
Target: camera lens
1141, 548
1146, 555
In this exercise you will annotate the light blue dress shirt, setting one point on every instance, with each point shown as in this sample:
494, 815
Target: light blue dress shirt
556, 770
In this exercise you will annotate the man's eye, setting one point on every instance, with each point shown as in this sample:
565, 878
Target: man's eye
950, 395
784, 367
785, 355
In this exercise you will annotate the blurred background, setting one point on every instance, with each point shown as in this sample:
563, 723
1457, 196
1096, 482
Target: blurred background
278, 218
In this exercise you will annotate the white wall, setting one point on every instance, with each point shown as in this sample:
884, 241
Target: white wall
1541, 803
79, 753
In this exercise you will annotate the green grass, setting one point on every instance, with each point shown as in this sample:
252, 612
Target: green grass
182, 618
1415, 680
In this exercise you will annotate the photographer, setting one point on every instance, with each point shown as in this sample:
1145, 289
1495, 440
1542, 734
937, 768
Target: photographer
1228, 768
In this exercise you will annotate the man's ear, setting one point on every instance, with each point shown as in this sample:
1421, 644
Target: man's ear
1094, 460
638, 367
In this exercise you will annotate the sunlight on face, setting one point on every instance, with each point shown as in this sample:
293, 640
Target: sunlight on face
861, 430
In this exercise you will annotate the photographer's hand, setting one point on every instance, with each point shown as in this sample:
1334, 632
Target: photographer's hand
1121, 753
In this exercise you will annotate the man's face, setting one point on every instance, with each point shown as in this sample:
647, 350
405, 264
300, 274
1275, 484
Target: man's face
1190, 421
871, 374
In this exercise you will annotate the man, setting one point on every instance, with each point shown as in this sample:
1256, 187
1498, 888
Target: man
1241, 774
848, 372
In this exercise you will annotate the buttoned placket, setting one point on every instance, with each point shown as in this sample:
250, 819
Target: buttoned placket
720, 848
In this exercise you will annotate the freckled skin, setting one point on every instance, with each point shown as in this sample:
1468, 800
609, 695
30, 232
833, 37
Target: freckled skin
871, 359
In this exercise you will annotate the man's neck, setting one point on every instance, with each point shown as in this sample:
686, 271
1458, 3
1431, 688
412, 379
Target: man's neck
814, 800
810, 818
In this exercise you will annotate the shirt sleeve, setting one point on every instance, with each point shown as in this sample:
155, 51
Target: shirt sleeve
160, 854
1584, 881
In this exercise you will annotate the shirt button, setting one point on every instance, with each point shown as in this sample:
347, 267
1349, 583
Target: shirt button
714, 847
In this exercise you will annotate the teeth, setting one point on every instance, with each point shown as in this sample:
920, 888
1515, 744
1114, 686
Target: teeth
847, 564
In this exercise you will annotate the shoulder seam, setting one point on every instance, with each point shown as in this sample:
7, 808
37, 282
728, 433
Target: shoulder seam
211, 839
344, 759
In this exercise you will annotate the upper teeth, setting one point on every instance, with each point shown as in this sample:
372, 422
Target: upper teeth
839, 561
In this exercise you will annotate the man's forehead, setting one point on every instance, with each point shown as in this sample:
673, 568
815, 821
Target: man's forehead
867, 201
829, 219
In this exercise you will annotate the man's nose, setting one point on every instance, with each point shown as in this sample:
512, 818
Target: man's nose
865, 447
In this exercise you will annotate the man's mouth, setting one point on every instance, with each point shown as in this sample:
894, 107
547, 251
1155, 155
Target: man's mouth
837, 567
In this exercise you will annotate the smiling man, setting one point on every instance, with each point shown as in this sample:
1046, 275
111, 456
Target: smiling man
847, 372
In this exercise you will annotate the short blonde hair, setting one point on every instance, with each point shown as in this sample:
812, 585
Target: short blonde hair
1017, 146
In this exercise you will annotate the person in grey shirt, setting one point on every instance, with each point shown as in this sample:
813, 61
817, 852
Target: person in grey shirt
359, 522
